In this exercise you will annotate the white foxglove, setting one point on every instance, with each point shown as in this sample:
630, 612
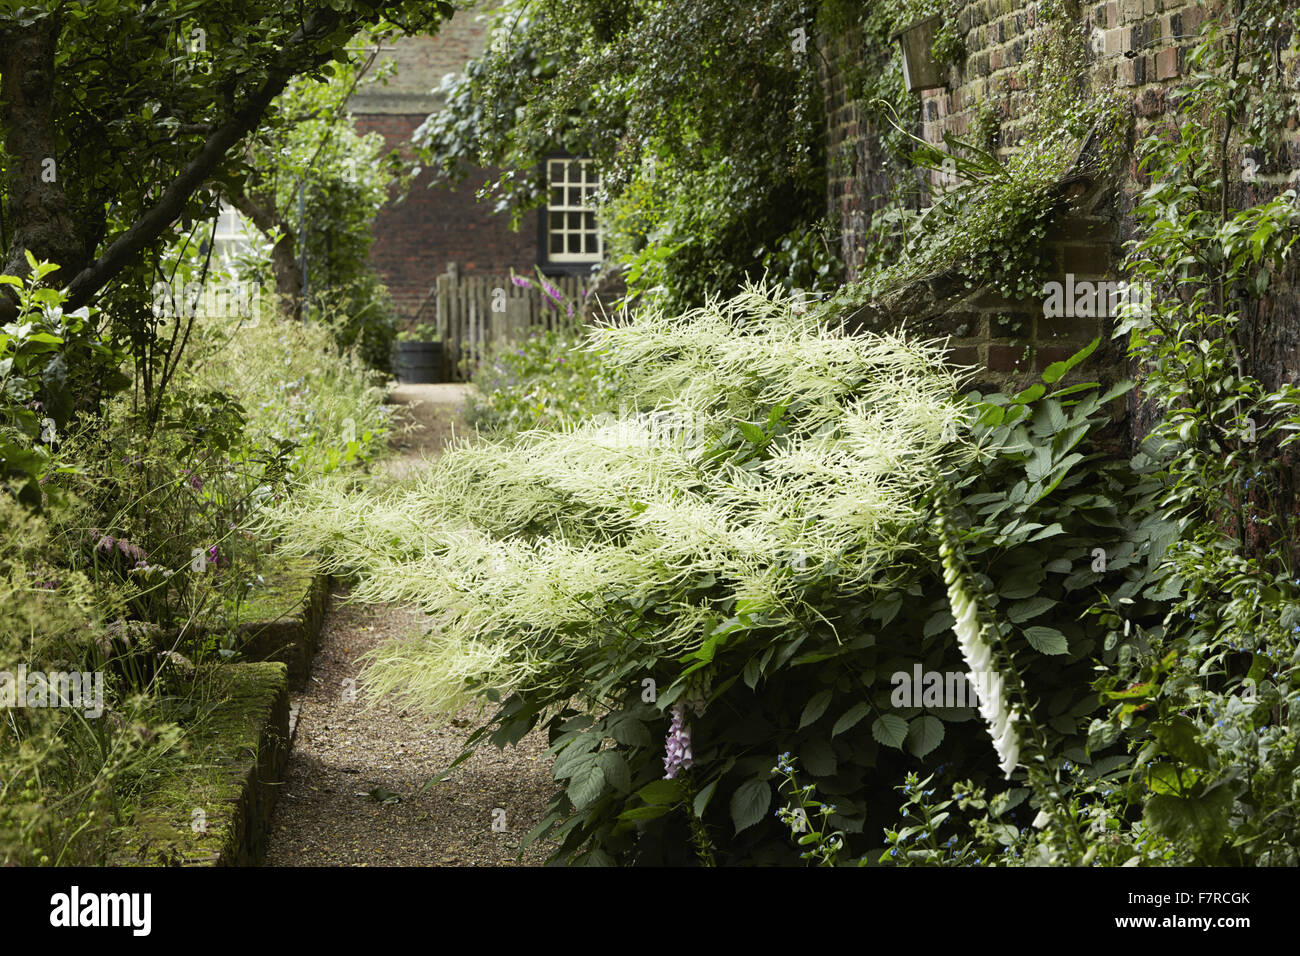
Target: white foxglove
978, 654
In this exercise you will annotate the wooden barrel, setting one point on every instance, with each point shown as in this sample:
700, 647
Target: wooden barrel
417, 363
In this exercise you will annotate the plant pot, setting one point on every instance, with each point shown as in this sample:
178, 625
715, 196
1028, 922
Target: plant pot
417, 363
920, 69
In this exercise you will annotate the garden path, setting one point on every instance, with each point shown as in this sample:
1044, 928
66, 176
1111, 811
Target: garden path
350, 796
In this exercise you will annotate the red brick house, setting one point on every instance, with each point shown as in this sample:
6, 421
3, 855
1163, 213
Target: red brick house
444, 228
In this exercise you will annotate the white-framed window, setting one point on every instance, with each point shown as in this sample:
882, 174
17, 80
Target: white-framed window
572, 233
232, 237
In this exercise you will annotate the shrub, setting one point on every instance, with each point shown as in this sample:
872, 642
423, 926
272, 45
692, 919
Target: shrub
747, 550
546, 381
65, 772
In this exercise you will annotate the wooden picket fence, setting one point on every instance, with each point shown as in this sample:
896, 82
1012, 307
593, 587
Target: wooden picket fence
474, 312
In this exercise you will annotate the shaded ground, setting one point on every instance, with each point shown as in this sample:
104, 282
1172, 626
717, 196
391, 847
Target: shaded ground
350, 795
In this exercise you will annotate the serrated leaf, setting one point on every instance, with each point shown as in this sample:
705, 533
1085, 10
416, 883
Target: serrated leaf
631, 733
1023, 611
1047, 640
889, 730
924, 734
815, 707
939, 621
616, 771
702, 799
1178, 736
850, 717
750, 802
818, 757
1201, 822
645, 813
661, 792
586, 785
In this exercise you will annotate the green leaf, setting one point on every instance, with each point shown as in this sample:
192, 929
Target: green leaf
645, 813
890, 730
614, 765
1023, 611
1178, 736
815, 707
924, 734
1056, 370
661, 792
586, 785
850, 718
1199, 822
1046, 640
1031, 394
702, 799
939, 621
818, 757
631, 732
750, 802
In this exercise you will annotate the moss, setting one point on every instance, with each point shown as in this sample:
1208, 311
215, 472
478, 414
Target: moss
231, 755
288, 582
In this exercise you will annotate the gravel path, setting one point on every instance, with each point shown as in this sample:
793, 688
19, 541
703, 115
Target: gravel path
350, 795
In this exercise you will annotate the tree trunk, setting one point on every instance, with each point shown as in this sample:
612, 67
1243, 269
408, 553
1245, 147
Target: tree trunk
39, 215
267, 219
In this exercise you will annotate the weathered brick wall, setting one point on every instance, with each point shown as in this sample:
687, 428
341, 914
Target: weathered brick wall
1138, 46
416, 240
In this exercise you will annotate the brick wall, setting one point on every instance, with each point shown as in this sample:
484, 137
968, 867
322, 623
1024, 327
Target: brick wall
1137, 46
417, 239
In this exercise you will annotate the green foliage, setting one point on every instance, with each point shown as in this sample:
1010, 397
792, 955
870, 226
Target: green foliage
65, 772
824, 844
145, 541
1194, 759
1208, 709
319, 178
985, 216
705, 121
735, 535
36, 396
549, 380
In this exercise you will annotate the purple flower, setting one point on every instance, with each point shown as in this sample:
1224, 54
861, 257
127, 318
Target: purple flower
521, 282
677, 745
105, 543
132, 551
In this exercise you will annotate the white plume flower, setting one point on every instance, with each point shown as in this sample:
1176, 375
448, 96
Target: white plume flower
524, 550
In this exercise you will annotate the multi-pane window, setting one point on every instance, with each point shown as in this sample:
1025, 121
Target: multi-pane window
231, 237
571, 231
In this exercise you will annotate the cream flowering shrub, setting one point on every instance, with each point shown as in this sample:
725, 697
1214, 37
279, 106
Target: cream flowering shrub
733, 566
755, 444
